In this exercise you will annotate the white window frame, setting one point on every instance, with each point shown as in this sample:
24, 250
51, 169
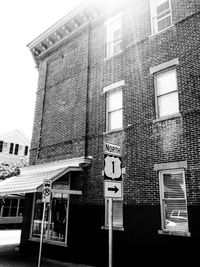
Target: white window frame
108, 120
110, 40
158, 116
162, 202
46, 240
115, 226
154, 25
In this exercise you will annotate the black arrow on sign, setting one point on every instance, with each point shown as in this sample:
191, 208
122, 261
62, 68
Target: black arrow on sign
113, 189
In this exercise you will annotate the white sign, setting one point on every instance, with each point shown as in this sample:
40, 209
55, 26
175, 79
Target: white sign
112, 189
112, 167
112, 149
46, 192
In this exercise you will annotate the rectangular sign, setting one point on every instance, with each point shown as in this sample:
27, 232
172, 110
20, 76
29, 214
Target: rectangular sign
112, 149
46, 192
112, 189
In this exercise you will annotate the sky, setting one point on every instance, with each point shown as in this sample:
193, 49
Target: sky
21, 22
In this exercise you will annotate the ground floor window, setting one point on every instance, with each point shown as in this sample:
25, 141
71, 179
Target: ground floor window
56, 215
174, 213
117, 212
12, 207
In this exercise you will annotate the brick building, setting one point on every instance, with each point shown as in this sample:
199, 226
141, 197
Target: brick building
127, 75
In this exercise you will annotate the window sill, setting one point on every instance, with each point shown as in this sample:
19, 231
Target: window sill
116, 228
110, 57
48, 242
167, 117
157, 33
113, 131
176, 233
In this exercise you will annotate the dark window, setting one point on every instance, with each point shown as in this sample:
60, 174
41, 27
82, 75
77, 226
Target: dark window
11, 148
16, 149
1, 146
26, 151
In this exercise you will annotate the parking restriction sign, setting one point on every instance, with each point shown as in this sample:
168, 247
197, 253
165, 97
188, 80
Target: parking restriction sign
46, 193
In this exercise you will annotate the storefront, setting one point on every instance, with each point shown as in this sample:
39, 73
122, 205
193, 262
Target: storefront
66, 181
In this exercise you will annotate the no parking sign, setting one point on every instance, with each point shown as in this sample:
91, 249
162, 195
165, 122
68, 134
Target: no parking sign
46, 192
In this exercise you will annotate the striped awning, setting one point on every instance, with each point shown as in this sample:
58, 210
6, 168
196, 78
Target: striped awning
31, 178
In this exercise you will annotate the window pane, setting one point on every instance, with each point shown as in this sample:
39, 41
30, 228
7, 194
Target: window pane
13, 209
115, 120
115, 100
168, 104
57, 227
173, 185
164, 23
117, 213
37, 219
166, 82
173, 201
176, 215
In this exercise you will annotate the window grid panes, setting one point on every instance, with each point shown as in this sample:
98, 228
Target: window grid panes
114, 110
173, 201
161, 15
167, 94
113, 36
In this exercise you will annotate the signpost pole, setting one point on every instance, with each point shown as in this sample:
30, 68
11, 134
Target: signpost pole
110, 224
41, 236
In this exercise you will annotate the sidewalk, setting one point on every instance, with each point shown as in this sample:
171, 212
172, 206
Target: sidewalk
11, 257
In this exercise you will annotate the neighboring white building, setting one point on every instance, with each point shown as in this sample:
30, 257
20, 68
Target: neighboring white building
14, 146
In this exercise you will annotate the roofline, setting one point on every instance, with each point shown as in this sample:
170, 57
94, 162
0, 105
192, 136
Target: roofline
58, 24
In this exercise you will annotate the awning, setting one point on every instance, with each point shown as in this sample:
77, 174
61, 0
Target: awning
31, 178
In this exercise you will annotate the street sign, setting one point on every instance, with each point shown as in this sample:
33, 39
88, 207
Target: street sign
112, 149
112, 168
112, 189
46, 192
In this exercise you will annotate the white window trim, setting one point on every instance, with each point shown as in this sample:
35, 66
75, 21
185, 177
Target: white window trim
167, 231
53, 242
152, 6
109, 21
169, 116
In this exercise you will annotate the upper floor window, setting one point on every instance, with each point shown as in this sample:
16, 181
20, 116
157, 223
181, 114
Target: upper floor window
11, 148
113, 36
166, 93
26, 150
117, 213
1, 146
161, 15
173, 200
114, 109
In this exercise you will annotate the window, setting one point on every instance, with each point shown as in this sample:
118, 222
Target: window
12, 207
16, 149
26, 151
113, 36
117, 213
114, 109
166, 93
11, 148
5, 147
173, 201
160, 15
1, 146
55, 222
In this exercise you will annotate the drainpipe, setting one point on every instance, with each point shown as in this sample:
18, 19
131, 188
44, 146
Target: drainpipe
87, 91
42, 115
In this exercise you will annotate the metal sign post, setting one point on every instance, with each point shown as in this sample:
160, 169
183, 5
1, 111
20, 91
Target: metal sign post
46, 197
112, 186
41, 236
110, 225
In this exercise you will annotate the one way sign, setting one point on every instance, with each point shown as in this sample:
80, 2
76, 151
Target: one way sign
112, 189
